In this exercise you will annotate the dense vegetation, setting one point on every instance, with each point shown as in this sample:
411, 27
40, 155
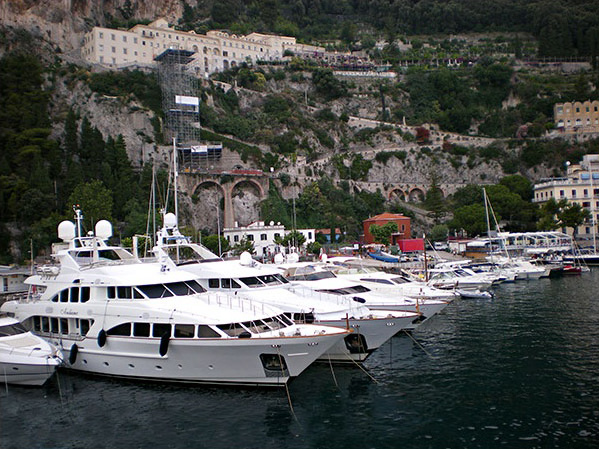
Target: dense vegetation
41, 178
563, 28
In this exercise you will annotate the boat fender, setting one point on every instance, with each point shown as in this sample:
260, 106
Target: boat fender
358, 299
164, 341
101, 338
73, 353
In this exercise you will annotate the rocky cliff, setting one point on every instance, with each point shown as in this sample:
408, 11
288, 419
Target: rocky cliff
63, 23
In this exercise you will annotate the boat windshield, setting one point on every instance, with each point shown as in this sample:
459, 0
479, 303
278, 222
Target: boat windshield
346, 290
314, 276
12, 329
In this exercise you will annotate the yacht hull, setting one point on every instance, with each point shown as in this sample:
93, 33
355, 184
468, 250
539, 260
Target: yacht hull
263, 361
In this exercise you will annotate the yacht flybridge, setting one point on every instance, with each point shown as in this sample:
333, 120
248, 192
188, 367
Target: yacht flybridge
264, 284
113, 315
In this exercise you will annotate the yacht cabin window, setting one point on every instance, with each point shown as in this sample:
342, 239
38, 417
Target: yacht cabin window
184, 331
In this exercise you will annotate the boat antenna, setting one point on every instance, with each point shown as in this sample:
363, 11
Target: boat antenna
78, 218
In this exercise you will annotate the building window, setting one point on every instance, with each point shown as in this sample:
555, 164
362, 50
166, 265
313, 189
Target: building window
124, 38
251, 237
573, 193
102, 37
263, 237
135, 40
235, 238
101, 58
124, 51
112, 37
561, 194
113, 49
101, 47
586, 193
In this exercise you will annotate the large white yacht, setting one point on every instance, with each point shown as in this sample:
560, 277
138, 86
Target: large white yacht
318, 279
25, 358
113, 315
389, 283
264, 283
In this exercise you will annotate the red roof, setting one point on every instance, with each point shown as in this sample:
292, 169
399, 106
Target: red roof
386, 216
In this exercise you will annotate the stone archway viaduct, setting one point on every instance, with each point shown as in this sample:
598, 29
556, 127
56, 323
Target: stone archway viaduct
226, 181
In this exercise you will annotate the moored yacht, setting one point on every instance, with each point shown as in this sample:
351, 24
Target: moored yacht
25, 358
113, 315
313, 277
262, 283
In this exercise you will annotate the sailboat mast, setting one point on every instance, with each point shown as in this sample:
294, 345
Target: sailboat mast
175, 176
593, 224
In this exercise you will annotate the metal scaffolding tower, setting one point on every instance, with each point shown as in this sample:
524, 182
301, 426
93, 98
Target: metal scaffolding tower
181, 106
179, 96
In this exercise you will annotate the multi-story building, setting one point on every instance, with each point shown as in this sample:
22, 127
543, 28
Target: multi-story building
263, 236
213, 52
403, 226
577, 117
580, 185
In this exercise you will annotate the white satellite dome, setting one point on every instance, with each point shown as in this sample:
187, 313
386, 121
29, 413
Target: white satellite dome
66, 231
104, 229
279, 258
170, 220
245, 259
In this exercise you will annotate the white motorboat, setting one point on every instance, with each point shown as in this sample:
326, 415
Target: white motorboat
25, 358
390, 283
458, 278
313, 277
245, 277
113, 315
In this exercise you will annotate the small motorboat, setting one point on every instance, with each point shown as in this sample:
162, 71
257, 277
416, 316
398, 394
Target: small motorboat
475, 294
25, 358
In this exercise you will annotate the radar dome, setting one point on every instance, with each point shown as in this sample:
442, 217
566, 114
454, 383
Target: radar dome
66, 231
245, 259
103, 229
278, 258
170, 220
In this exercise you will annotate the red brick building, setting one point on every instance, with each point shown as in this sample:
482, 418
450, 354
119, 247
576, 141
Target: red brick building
403, 226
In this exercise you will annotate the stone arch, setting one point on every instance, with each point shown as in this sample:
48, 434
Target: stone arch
245, 201
216, 52
416, 195
396, 193
208, 197
194, 48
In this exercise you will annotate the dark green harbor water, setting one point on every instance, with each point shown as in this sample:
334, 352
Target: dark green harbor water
517, 371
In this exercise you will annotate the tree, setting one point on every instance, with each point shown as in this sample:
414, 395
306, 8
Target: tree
572, 216
94, 200
382, 234
211, 242
245, 245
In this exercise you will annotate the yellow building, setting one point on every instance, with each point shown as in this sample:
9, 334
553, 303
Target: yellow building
577, 117
581, 185
215, 51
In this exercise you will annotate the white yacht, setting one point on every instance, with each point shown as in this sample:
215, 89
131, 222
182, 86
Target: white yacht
458, 278
312, 277
113, 315
25, 358
390, 283
264, 283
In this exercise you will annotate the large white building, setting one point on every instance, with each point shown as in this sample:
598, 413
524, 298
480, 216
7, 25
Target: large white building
263, 236
581, 185
213, 52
